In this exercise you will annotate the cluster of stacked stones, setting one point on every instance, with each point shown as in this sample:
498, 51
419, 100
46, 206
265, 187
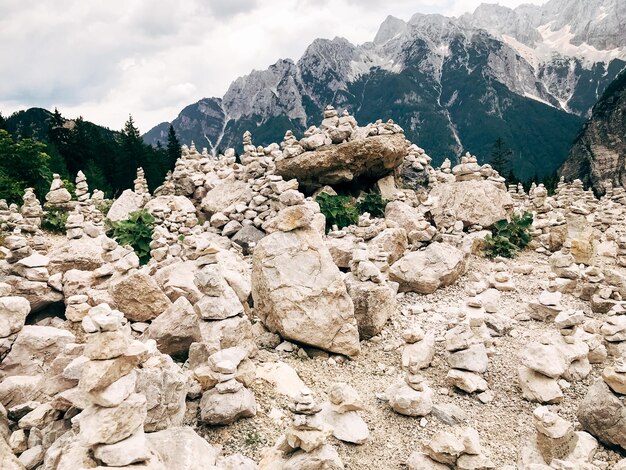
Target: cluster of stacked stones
459, 450
304, 444
411, 394
195, 308
467, 343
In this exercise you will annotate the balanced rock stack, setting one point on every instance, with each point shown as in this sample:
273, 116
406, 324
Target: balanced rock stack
291, 146
112, 420
32, 212
141, 185
460, 451
229, 400
58, 194
82, 188
553, 356
419, 350
341, 412
374, 298
411, 395
467, 354
304, 444
613, 331
75, 224
556, 444
297, 289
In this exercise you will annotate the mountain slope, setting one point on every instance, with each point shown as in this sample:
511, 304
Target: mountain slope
598, 156
455, 84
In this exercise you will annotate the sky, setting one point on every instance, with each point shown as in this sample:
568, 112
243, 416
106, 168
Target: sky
106, 59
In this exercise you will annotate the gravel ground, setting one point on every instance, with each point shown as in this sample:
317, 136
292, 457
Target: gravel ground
505, 424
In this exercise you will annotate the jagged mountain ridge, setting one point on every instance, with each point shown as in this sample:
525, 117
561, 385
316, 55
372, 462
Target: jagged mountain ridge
598, 156
454, 84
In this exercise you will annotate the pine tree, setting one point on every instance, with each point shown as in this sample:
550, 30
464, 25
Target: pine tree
173, 148
500, 157
3, 122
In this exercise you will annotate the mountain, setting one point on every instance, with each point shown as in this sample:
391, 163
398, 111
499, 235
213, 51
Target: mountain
598, 155
529, 76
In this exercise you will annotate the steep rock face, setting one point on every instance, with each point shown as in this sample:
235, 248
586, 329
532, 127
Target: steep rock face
598, 156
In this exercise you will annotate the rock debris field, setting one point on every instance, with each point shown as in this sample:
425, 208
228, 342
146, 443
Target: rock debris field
255, 334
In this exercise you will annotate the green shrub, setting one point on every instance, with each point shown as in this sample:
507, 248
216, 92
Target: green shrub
135, 231
509, 237
54, 221
373, 203
339, 210
104, 206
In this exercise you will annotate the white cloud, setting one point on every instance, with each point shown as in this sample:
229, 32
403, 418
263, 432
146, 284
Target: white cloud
104, 59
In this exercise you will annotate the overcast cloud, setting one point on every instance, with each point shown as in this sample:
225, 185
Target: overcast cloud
104, 59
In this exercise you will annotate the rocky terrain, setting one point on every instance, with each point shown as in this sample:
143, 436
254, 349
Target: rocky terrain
529, 75
597, 156
248, 336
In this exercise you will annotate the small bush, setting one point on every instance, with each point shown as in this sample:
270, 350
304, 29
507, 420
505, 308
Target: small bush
373, 203
135, 231
104, 206
509, 237
339, 210
54, 221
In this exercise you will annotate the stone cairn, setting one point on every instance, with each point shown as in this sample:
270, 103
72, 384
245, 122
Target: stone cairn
459, 450
556, 359
468, 354
411, 395
229, 400
32, 212
58, 196
305, 440
341, 412
556, 444
113, 416
141, 185
82, 188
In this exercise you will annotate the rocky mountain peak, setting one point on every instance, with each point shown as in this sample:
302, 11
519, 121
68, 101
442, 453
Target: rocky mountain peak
389, 29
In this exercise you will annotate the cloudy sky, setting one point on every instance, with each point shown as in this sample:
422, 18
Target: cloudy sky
104, 59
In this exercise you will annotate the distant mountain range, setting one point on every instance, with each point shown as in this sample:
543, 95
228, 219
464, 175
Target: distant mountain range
530, 76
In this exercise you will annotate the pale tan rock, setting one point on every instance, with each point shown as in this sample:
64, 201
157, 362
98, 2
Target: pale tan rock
374, 156
424, 272
473, 202
13, 313
373, 303
138, 296
99, 425
180, 448
176, 328
299, 293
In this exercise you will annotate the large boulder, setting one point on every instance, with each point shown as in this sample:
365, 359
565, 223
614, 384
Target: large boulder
475, 202
373, 157
603, 414
180, 448
167, 204
138, 296
128, 202
424, 272
176, 328
227, 193
84, 254
299, 292
13, 313
34, 350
